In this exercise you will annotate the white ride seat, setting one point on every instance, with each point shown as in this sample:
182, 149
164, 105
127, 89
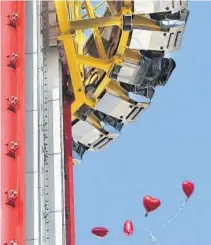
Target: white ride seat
167, 41
143, 78
90, 136
128, 73
123, 110
156, 6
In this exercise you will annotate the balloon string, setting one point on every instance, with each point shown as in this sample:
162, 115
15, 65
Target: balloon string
152, 237
175, 215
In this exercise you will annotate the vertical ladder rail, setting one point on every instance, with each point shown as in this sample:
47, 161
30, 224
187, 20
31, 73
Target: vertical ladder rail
51, 162
12, 151
32, 71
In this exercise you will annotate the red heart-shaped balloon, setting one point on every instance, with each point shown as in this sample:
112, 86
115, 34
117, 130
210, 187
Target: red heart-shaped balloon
188, 188
151, 203
128, 228
100, 231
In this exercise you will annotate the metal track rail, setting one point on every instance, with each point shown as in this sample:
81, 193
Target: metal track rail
32, 71
51, 164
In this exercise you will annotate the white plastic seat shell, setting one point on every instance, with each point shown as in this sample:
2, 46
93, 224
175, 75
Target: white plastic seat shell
90, 136
128, 73
157, 40
156, 6
120, 109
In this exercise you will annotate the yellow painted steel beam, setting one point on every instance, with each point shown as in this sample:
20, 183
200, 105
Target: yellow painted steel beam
95, 62
73, 65
71, 5
127, 9
65, 25
121, 48
96, 32
123, 43
105, 65
132, 54
115, 89
95, 22
79, 34
127, 5
73, 117
145, 23
101, 87
75, 58
77, 84
106, 80
137, 21
62, 15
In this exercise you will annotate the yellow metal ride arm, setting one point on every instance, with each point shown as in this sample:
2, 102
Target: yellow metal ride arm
71, 27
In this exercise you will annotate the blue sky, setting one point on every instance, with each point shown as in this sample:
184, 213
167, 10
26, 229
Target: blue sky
170, 142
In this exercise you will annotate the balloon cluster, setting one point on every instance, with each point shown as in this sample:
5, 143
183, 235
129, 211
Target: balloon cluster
102, 231
150, 204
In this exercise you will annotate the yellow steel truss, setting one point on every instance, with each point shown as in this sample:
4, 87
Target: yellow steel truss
71, 26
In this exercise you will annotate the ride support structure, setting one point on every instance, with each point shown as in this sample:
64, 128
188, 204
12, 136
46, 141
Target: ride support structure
30, 96
12, 123
56, 81
75, 56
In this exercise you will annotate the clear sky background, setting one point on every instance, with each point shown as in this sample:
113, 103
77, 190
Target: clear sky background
170, 142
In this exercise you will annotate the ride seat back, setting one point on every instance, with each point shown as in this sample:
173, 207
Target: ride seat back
116, 107
90, 136
157, 40
156, 6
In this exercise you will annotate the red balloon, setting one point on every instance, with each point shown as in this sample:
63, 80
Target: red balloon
128, 228
150, 203
100, 231
188, 188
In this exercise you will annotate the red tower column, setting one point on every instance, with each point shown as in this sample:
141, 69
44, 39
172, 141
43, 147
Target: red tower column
12, 150
69, 178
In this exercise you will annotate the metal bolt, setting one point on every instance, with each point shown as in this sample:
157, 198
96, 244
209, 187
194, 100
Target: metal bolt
12, 103
13, 146
13, 60
12, 194
11, 197
13, 18
13, 243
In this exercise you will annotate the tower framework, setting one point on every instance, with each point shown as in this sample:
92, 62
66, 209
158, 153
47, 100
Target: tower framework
67, 75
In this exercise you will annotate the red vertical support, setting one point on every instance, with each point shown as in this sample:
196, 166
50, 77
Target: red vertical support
69, 178
12, 151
